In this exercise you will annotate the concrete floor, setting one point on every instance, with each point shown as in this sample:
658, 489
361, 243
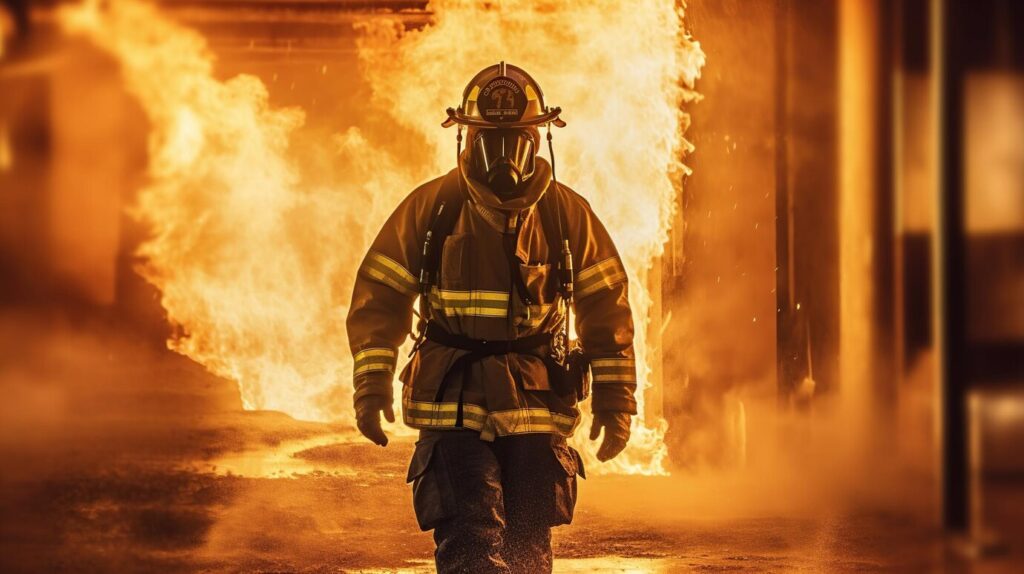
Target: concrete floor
121, 457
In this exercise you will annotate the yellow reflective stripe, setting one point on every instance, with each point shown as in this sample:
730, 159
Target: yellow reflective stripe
470, 303
442, 414
375, 359
415, 422
374, 367
614, 379
613, 362
445, 407
530, 94
599, 267
473, 94
514, 421
521, 421
376, 352
381, 277
385, 270
450, 295
607, 273
613, 370
476, 312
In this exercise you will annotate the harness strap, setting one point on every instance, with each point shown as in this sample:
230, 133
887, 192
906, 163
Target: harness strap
446, 211
550, 223
551, 220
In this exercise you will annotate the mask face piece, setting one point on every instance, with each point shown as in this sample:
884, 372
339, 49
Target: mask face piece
503, 158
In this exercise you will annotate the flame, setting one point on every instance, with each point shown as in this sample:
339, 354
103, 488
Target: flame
255, 245
622, 92
251, 243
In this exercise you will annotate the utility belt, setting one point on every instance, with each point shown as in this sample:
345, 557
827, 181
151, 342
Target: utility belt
571, 381
481, 348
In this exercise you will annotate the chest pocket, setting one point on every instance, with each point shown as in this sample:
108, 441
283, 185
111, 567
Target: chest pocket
540, 286
456, 262
539, 282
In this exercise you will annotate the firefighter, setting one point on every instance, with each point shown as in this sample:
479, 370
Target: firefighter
501, 258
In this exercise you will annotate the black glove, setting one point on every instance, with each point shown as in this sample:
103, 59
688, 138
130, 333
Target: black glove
368, 411
616, 433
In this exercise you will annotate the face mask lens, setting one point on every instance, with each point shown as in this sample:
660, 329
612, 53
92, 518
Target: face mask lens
504, 156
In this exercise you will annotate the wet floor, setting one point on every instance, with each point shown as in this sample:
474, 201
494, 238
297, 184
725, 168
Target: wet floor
121, 457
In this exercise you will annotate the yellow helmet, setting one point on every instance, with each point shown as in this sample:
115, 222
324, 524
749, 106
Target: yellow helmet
503, 96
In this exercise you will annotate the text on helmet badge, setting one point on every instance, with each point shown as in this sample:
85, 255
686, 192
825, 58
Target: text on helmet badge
502, 100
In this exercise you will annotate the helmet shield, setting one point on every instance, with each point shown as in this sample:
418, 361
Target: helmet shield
503, 158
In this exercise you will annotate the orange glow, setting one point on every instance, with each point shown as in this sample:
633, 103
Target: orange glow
255, 244
6, 153
6, 27
857, 175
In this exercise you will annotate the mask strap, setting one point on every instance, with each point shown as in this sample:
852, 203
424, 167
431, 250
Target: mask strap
551, 154
458, 145
566, 268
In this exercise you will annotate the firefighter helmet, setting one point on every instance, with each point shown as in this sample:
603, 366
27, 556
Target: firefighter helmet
503, 96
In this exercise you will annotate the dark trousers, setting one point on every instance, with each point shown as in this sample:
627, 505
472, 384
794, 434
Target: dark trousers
492, 504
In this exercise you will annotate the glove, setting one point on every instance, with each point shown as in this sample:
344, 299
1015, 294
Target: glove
368, 411
616, 433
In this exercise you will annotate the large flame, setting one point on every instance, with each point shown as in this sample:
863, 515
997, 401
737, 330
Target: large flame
251, 246
255, 245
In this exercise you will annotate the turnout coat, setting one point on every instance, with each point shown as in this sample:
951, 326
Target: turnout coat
476, 296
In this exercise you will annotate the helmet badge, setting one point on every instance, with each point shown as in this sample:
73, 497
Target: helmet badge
502, 100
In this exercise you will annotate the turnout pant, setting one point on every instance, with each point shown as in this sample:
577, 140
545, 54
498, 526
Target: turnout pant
492, 504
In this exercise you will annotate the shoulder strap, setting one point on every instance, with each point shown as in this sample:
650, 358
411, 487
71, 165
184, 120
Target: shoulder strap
549, 222
553, 221
445, 213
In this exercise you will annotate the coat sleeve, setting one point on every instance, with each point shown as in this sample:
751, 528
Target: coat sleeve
380, 316
604, 321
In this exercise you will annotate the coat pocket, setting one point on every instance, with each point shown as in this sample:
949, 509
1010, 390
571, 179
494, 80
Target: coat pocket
540, 289
455, 261
568, 465
432, 496
539, 282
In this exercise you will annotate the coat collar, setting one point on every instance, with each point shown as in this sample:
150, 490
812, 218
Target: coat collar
482, 195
